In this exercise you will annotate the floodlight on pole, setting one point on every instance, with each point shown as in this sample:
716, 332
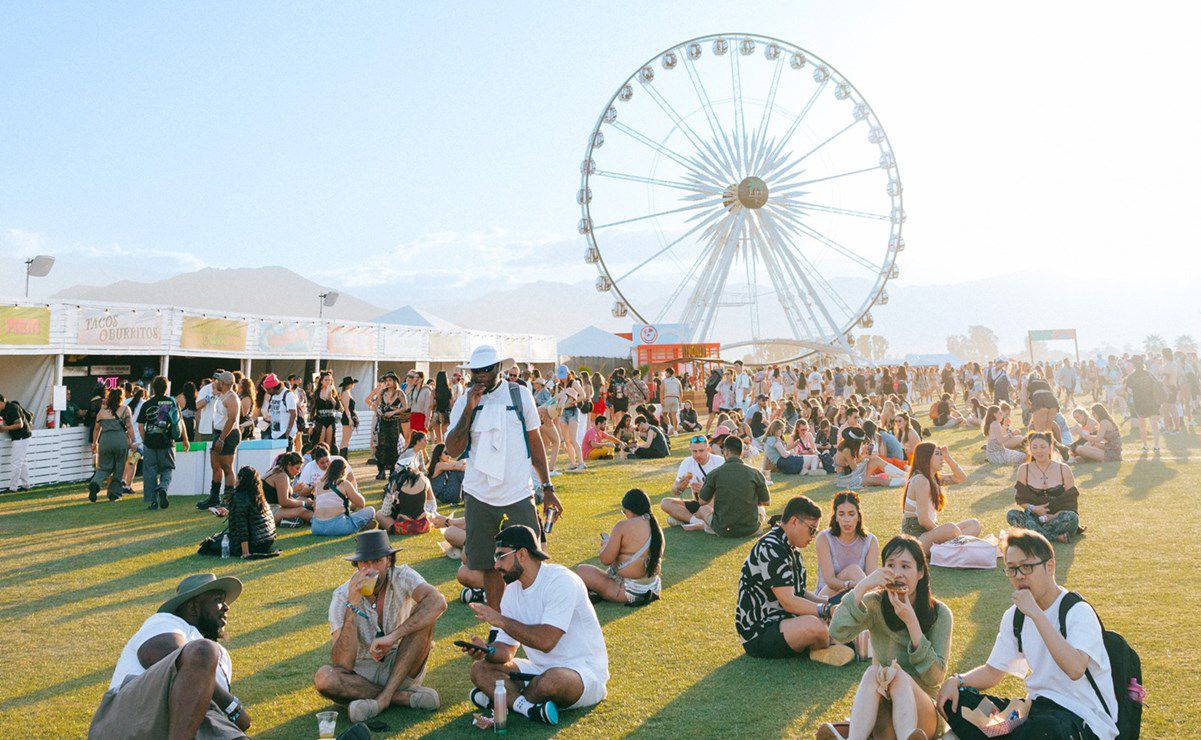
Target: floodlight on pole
38, 266
328, 298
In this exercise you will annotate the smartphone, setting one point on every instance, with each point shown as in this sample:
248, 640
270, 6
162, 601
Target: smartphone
490, 649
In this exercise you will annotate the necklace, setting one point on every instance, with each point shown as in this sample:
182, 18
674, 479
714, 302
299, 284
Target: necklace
1044, 472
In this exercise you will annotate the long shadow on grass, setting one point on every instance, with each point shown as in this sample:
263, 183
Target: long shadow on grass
1147, 474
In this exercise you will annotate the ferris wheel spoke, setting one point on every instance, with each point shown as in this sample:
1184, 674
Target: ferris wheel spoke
739, 120
652, 215
768, 107
800, 227
807, 206
785, 293
705, 252
812, 151
674, 242
799, 184
721, 153
709, 258
729, 250
663, 183
770, 224
678, 158
799, 117
669, 110
806, 264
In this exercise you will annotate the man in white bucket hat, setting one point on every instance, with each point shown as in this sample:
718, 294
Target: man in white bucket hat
496, 423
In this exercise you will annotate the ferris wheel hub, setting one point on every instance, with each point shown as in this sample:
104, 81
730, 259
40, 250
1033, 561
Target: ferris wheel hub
752, 192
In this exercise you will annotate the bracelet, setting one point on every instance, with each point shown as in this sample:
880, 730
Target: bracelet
232, 710
357, 610
959, 678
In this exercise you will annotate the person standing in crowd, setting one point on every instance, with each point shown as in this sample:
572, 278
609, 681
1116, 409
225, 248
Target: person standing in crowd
248, 409
186, 400
421, 402
632, 554
496, 424
776, 615
112, 438
1067, 673
282, 414
160, 426
69, 416
226, 439
617, 392
1147, 394
389, 404
135, 403
326, 405
911, 642
173, 678
381, 624
444, 398
204, 409
673, 392
15, 420
350, 419
546, 611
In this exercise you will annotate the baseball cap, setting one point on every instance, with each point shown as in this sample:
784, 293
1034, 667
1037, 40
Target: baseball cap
519, 536
270, 380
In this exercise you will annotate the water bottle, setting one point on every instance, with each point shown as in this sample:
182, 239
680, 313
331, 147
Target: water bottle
500, 708
225, 545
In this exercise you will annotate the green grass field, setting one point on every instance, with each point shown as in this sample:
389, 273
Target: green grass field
77, 579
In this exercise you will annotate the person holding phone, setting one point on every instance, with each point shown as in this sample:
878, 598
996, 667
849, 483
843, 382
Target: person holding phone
495, 425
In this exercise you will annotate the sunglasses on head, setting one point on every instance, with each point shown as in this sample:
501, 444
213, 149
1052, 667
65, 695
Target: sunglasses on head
698, 440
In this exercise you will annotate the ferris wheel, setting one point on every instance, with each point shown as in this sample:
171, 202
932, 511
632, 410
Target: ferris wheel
741, 187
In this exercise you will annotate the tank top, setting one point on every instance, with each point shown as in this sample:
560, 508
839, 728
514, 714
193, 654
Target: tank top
324, 407
844, 556
385, 406
219, 411
269, 492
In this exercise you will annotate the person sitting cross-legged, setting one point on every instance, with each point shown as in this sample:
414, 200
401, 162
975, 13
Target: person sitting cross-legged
382, 638
633, 553
545, 610
1067, 673
776, 616
732, 498
1046, 491
598, 443
691, 475
173, 677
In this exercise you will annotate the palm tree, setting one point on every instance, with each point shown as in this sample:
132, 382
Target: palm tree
1154, 344
1186, 343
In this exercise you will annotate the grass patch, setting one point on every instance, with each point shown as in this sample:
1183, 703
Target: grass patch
77, 579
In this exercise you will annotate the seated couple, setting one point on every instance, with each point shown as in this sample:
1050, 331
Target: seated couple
1046, 492
632, 553
923, 498
599, 444
799, 458
729, 496
858, 465
545, 610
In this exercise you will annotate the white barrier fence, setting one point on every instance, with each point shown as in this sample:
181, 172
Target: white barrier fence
65, 455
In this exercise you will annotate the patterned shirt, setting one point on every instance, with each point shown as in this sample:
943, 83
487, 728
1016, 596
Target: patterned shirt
398, 604
772, 562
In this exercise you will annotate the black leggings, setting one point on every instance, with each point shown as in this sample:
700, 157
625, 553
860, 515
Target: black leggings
1046, 720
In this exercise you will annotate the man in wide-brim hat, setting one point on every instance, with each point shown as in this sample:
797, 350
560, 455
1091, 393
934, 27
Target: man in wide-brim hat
382, 638
173, 676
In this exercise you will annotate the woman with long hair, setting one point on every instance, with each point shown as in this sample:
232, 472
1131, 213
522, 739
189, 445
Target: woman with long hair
286, 508
350, 419
443, 401
923, 498
632, 552
408, 502
326, 405
247, 408
911, 642
186, 400
413, 453
251, 525
846, 550
1106, 444
1046, 492
112, 438
389, 404
804, 445
777, 455
1000, 446
339, 509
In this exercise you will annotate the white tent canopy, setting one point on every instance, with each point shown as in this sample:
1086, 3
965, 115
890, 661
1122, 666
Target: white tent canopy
410, 316
592, 341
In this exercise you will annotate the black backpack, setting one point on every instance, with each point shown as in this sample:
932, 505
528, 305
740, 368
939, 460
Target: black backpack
1124, 665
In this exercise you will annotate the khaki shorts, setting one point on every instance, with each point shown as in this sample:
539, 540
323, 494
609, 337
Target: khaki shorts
138, 709
377, 672
671, 405
484, 521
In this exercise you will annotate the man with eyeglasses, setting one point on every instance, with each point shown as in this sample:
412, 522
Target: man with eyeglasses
546, 611
776, 615
690, 476
1067, 676
497, 424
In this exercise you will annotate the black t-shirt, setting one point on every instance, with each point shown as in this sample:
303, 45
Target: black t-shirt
12, 414
771, 563
658, 441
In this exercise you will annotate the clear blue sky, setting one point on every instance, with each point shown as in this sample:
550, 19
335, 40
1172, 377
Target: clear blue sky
337, 138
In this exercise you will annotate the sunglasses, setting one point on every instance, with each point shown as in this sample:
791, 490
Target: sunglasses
499, 556
812, 529
698, 440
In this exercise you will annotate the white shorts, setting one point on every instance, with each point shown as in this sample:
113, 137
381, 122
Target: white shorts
594, 689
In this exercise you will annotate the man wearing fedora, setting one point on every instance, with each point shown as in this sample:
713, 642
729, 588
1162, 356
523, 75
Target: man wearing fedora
496, 424
546, 611
173, 677
381, 641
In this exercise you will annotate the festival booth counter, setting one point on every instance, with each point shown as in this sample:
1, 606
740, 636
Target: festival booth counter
78, 343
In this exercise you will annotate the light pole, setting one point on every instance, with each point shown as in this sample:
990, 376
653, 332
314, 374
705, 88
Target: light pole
328, 298
38, 266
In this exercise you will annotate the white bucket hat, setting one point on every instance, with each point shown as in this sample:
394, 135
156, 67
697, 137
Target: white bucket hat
483, 356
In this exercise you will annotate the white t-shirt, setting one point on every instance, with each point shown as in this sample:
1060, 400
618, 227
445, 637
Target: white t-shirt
161, 624
311, 474
204, 425
137, 412
688, 465
557, 597
518, 483
814, 381
278, 407
671, 387
1043, 675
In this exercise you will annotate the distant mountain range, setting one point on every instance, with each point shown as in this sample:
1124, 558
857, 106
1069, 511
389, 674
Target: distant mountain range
917, 319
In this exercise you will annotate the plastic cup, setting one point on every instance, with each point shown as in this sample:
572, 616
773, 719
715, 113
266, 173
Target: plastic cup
368, 586
327, 724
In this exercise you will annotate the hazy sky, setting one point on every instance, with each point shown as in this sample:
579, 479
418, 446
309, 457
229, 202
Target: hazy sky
368, 146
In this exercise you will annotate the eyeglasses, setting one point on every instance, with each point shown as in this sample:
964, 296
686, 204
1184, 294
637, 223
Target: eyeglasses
499, 556
1025, 568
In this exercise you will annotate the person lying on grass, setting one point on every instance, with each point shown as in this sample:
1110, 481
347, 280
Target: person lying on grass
382, 626
632, 552
911, 640
544, 610
776, 616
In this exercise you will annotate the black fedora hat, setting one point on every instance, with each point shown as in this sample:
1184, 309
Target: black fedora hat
371, 545
347, 381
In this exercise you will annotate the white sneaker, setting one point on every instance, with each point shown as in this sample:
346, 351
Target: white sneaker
554, 473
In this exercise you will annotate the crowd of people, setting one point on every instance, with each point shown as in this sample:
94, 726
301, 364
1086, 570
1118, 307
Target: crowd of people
487, 437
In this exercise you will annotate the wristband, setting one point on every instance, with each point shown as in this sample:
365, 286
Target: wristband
232, 710
357, 610
959, 678
548, 486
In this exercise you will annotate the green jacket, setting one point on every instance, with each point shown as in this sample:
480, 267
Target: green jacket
927, 665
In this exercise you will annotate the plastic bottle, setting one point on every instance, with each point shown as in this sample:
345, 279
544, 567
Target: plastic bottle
225, 545
500, 708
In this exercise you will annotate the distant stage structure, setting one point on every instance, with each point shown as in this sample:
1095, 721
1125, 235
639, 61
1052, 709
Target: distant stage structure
741, 186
